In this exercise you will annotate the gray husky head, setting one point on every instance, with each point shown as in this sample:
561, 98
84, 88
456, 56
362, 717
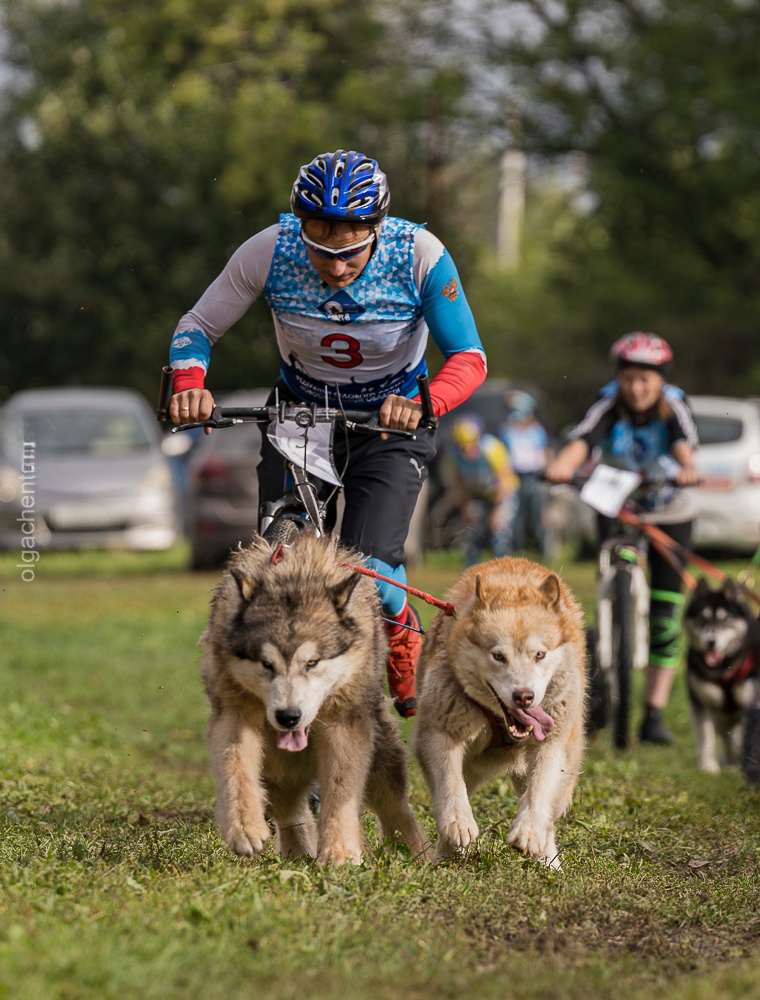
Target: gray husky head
718, 622
293, 626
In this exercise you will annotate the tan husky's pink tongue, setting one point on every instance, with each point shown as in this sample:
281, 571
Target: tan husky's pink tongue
536, 717
292, 739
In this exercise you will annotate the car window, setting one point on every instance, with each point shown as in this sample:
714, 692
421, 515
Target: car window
718, 429
90, 431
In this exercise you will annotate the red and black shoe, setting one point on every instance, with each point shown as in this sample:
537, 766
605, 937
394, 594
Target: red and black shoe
406, 645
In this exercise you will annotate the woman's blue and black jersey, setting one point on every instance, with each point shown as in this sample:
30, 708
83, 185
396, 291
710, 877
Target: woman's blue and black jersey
641, 444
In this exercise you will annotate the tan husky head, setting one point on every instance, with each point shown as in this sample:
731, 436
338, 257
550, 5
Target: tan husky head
511, 640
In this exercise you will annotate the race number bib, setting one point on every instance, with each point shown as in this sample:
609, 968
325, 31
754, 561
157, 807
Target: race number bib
310, 448
608, 489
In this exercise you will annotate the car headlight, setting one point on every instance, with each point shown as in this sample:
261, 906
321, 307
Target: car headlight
10, 484
158, 479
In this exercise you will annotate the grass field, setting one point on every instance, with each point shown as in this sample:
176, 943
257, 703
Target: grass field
114, 883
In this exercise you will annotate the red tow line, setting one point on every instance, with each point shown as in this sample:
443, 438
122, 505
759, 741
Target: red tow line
445, 606
668, 547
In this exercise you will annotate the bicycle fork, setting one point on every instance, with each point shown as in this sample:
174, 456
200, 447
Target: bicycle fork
609, 565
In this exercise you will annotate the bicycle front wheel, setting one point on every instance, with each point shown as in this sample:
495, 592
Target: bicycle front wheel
622, 661
283, 529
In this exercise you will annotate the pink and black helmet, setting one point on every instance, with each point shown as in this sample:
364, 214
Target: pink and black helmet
644, 349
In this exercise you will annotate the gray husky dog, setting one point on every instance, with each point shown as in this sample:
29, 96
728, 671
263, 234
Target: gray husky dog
294, 662
721, 669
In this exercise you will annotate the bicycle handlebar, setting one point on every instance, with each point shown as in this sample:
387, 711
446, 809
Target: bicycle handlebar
303, 414
578, 482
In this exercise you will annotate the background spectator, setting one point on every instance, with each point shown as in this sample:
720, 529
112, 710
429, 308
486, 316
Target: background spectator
485, 487
527, 442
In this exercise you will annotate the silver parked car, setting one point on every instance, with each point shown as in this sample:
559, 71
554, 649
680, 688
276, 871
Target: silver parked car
222, 486
728, 459
84, 467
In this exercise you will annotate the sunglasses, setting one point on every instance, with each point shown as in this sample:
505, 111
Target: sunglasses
345, 253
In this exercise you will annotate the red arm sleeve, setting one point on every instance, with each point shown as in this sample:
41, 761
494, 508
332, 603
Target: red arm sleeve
187, 378
459, 377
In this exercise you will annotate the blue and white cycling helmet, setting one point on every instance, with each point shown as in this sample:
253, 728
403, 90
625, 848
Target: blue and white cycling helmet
343, 186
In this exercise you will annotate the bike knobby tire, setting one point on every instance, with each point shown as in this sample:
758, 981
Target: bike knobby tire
598, 711
283, 529
622, 660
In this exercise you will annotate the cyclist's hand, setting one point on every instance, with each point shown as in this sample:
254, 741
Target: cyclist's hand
558, 471
401, 413
191, 406
687, 476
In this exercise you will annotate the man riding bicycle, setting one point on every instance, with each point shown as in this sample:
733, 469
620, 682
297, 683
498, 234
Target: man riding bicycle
354, 295
641, 423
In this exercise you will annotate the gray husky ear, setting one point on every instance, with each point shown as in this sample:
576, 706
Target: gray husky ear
247, 586
702, 589
342, 591
551, 590
730, 590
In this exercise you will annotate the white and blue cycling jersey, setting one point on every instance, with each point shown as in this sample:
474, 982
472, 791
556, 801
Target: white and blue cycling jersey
368, 338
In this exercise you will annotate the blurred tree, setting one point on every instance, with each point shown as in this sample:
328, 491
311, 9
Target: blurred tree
663, 102
141, 143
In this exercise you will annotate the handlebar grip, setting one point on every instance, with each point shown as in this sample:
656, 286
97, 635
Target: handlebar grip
165, 392
429, 419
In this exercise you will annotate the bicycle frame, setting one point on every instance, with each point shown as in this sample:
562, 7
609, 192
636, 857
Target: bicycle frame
625, 550
300, 506
299, 502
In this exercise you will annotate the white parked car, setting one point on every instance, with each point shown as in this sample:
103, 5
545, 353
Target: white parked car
84, 467
728, 499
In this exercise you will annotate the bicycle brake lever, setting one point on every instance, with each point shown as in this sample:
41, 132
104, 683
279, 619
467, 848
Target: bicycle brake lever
213, 424
377, 429
215, 421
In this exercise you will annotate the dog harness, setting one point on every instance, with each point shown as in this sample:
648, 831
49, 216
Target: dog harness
742, 670
501, 738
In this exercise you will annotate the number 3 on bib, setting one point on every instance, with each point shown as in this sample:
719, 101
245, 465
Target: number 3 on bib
345, 351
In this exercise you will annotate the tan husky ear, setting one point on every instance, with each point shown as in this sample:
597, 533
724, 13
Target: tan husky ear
342, 591
486, 592
247, 586
551, 591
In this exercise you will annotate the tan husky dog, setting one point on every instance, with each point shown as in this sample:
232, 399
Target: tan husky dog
295, 654
501, 688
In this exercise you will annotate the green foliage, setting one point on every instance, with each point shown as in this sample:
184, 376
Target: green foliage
155, 139
661, 101
141, 144
114, 882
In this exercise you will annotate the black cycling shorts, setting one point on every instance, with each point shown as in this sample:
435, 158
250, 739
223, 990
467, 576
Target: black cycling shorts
381, 481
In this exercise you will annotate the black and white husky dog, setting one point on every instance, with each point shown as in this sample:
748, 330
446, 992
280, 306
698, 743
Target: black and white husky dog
721, 669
